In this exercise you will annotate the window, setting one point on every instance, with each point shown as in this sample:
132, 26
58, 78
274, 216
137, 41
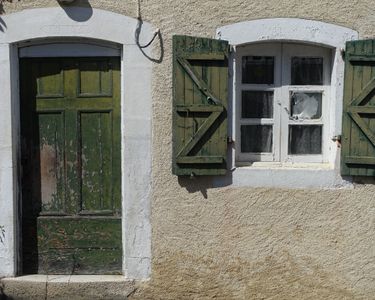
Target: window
285, 98
289, 36
283, 94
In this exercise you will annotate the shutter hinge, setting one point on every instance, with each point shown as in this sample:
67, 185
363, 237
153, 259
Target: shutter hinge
342, 52
230, 140
337, 139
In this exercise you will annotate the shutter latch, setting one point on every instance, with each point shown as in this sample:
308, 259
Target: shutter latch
337, 140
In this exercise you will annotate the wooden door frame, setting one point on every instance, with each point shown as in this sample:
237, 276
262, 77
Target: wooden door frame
102, 27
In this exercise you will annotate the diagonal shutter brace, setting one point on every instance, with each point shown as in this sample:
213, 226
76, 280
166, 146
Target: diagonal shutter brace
201, 84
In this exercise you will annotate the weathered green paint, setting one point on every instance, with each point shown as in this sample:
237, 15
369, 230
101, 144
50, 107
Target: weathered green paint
358, 137
200, 81
70, 128
51, 135
79, 245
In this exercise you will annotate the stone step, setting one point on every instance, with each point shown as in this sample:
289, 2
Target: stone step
72, 287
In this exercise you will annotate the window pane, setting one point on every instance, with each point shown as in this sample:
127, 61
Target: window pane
257, 104
307, 71
305, 139
256, 138
257, 69
306, 106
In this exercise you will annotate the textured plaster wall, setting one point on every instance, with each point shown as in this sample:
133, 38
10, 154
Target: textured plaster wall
242, 243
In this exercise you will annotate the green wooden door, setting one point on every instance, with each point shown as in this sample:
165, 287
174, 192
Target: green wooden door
70, 153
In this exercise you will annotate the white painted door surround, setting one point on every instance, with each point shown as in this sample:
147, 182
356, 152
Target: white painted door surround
46, 25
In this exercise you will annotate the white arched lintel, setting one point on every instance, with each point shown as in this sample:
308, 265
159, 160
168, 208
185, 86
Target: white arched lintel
48, 25
286, 29
57, 22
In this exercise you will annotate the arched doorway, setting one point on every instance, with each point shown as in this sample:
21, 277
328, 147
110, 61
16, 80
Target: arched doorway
43, 26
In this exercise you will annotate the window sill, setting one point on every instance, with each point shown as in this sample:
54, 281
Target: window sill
288, 175
285, 165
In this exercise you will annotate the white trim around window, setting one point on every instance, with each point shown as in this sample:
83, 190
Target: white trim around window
282, 169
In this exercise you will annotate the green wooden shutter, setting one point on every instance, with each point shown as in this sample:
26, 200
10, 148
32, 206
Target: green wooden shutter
200, 83
358, 138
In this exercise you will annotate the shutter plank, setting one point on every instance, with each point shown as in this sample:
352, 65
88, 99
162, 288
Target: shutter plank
357, 88
181, 124
189, 100
346, 121
366, 80
371, 123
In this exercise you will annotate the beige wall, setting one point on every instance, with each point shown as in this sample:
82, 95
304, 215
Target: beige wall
243, 243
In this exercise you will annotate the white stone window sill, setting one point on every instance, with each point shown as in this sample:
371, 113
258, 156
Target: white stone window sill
289, 175
285, 165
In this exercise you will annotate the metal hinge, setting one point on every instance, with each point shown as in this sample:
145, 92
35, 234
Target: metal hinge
342, 52
337, 140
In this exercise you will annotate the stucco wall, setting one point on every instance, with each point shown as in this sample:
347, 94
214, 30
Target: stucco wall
243, 243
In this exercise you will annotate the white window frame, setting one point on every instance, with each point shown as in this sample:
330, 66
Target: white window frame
282, 53
290, 50
292, 173
265, 49
323, 121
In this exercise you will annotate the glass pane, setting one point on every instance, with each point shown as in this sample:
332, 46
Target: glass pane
307, 71
257, 69
256, 138
257, 104
305, 105
305, 139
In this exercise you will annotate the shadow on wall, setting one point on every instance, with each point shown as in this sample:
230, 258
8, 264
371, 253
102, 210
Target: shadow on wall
361, 180
3, 26
203, 183
78, 15
85, 14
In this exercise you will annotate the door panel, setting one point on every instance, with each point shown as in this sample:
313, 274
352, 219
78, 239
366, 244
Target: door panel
96, 158
51, 156
70, 129
83, 245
